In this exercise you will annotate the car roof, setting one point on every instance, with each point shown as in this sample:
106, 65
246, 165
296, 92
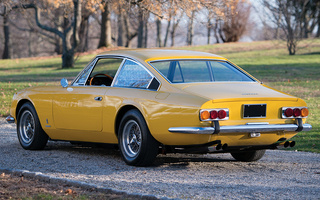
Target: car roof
161, 54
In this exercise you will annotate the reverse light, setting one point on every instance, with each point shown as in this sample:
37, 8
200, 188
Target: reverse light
295, 112
214, 114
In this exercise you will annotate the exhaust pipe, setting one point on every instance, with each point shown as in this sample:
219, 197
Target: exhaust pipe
292, 144
219, 147
286, 144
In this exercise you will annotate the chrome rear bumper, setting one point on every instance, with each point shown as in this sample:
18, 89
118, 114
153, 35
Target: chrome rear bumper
10, 119
242, 129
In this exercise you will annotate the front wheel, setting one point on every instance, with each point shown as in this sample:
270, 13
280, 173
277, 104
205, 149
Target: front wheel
137, 146
249, 156
30, 133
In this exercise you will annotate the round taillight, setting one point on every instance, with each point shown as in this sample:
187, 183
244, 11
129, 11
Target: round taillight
304, 112
296, 112
222, 114
214, 114
288, 112
205, 115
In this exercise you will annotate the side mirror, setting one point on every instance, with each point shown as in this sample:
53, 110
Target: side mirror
64, 83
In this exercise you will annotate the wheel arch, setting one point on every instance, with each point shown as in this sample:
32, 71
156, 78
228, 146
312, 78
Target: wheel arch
122, 111
20, 104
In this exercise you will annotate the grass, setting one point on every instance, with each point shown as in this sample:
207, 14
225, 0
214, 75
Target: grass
268, 61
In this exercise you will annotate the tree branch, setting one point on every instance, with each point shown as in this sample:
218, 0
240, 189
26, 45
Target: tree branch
37, 17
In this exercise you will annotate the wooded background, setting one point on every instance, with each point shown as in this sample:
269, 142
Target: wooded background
32, 28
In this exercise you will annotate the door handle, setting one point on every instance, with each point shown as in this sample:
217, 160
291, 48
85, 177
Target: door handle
98, 98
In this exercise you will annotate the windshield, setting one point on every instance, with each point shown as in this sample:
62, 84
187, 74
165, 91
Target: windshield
186, 71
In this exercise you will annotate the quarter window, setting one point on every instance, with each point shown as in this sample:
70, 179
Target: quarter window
133, 75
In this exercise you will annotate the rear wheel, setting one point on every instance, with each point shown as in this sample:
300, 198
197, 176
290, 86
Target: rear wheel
137, 146
30, 133
249, 156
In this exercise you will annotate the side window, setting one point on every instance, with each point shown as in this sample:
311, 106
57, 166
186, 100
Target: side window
104, 72
133, 75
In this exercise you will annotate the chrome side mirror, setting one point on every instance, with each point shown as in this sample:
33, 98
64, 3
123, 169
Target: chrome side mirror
64, 83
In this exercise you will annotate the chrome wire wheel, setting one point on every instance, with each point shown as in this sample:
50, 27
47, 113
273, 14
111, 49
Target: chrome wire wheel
27, 127
132, 138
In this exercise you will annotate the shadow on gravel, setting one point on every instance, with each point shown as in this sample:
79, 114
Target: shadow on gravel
182, 161
169, 160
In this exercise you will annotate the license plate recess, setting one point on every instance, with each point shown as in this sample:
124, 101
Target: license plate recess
254, 110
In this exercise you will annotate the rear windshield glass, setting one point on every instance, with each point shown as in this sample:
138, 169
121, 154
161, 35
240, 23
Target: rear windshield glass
186, 71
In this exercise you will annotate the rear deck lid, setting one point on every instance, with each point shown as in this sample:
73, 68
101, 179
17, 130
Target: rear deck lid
234, 91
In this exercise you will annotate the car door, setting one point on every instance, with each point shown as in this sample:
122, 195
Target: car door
80, 106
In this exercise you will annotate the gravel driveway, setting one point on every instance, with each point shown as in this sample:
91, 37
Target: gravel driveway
278, 175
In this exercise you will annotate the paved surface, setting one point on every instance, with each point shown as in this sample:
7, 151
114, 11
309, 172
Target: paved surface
278, 175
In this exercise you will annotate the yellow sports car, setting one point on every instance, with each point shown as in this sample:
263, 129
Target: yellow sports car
150, 101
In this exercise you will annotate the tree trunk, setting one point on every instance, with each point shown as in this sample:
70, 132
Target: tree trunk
291, 44
121, 29
105, 32
83, 34
209, 27
190, 32
140, 29
159, 42
173, 31
6, 31
68, 59
215, 31
145, 35
167, 32
318, 32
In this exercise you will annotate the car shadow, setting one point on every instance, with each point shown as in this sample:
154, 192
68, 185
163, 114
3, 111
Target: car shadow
171, 160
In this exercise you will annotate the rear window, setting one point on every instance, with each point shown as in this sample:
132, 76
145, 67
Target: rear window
186, 71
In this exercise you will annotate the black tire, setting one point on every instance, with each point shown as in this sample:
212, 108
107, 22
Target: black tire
137, 146
249, 156
30, 133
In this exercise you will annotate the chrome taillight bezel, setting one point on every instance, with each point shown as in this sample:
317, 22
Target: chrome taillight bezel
215, 109
283, 109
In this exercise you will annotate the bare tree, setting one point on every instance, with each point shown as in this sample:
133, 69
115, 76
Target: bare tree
233, 23
290, 16
68, 45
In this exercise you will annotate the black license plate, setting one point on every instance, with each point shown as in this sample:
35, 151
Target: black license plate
254, 111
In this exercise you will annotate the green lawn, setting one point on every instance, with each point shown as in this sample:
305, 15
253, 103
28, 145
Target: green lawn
268, 61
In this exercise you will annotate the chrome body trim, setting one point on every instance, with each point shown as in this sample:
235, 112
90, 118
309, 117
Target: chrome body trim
216, 109
240, 129
10, 119
283, 109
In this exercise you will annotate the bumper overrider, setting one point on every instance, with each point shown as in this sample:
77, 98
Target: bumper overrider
248, 128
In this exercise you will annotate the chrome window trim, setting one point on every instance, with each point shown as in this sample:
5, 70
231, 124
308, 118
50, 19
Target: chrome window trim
90, 65
144, 67
194, 59
93, 63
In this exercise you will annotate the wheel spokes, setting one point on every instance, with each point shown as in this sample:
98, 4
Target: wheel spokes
132, 138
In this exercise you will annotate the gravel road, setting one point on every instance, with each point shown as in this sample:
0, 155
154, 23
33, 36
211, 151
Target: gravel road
278, 175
